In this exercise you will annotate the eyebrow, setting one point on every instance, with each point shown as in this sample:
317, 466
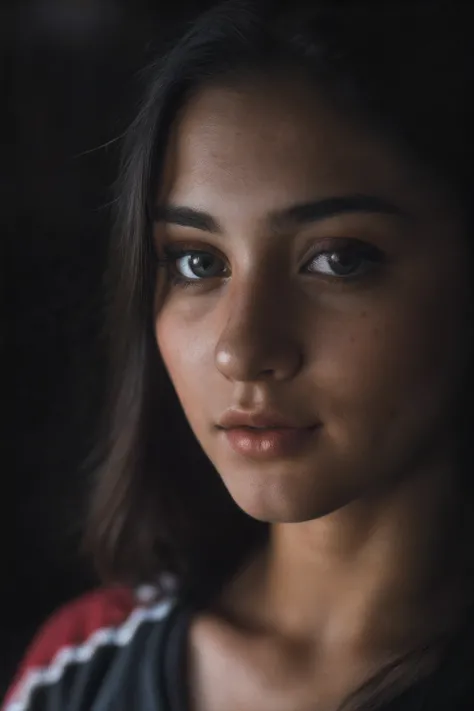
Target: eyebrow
296, 215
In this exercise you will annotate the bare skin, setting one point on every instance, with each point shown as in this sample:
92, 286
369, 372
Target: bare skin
352, 574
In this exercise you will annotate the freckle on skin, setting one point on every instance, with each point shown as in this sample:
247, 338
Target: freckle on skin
363, 314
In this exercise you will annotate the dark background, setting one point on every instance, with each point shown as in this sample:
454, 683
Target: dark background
69, 90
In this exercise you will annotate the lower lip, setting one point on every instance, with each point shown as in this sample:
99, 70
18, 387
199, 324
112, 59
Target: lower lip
271, 443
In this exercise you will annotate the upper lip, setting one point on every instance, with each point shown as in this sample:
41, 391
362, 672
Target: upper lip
264, 419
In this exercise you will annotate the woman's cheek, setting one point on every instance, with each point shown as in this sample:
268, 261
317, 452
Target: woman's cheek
186, 349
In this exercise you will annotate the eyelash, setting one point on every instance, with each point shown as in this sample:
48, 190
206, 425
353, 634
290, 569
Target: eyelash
360, 249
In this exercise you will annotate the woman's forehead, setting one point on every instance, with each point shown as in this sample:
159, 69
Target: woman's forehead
247, 148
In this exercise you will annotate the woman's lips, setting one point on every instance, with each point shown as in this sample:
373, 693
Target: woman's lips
271, 443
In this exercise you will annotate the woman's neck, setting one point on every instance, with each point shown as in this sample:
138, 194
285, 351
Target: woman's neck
377, 575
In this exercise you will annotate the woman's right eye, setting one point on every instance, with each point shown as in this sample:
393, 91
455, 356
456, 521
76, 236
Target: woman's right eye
188, 267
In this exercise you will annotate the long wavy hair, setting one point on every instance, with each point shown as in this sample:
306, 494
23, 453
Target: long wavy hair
158, 506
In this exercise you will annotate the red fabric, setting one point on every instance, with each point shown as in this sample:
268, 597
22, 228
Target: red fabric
73, 624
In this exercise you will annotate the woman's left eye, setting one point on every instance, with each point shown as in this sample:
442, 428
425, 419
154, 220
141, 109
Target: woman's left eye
350, 261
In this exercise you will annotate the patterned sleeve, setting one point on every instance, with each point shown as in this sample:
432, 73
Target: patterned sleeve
60, 656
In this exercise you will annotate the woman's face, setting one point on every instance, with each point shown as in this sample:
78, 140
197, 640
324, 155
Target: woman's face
333, 287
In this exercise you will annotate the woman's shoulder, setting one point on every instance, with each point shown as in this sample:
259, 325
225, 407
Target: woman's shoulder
88, 632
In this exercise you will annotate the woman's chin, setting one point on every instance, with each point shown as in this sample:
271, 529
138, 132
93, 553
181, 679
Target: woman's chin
273, 502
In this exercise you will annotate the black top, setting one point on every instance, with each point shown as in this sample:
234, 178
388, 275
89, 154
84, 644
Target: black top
141, 666
138, 665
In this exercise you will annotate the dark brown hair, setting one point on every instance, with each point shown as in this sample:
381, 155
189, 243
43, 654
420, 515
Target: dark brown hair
406, 69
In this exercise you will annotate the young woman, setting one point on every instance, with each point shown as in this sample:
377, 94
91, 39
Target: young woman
283, 511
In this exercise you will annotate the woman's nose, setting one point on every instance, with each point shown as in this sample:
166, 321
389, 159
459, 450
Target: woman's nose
258, 339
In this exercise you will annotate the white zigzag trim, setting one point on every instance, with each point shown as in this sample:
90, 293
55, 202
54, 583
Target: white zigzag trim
120, 636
